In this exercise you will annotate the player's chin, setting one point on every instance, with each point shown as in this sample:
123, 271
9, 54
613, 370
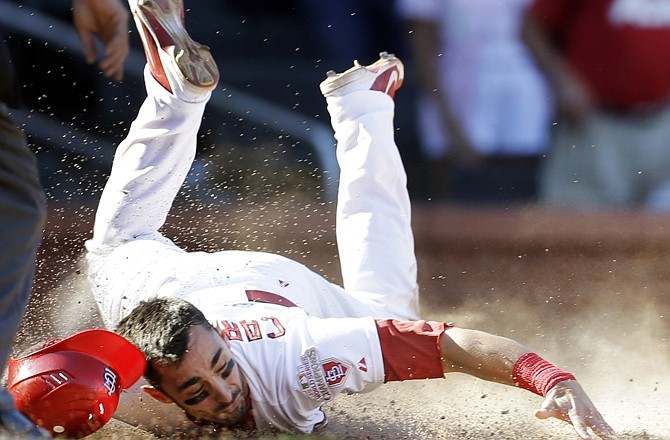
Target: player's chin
233, 417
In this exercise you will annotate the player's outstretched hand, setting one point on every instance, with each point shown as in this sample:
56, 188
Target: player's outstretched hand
108, 19
567, 401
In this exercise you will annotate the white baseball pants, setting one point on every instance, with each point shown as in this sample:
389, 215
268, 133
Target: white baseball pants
129, 260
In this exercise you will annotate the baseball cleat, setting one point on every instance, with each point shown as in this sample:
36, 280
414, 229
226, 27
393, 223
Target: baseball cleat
176, 61
385, 75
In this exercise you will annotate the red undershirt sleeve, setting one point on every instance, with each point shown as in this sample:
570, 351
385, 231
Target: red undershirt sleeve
411, 349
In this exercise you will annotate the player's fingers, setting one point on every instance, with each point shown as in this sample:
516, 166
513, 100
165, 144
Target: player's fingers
547, 413
88, 45
598, 424
114, 72
116, 53
112, 66
579, 424
542, 414
606, 436
549, 409
603, 430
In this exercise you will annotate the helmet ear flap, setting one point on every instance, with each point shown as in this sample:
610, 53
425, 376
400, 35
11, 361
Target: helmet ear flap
156, 394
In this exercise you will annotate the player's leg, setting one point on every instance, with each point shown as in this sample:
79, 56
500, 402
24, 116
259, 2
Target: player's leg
151, 164
373, 213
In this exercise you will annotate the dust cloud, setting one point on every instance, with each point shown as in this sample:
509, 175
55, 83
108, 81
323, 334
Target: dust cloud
602, 315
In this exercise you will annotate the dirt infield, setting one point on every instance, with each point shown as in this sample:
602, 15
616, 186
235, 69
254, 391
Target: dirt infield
588, 291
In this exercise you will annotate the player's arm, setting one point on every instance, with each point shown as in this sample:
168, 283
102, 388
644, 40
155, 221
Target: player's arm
506, 361
480, 354
107, 19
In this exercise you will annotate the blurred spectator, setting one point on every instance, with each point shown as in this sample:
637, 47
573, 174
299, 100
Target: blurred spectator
483, 109
343, 30
608, 62
338, 32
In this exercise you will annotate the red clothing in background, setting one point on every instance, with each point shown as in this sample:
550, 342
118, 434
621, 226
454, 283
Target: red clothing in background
621, 48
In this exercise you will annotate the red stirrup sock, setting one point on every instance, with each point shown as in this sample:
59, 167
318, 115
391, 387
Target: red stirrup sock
533, 373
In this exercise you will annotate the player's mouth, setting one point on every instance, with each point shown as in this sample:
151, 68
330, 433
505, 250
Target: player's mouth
231, 406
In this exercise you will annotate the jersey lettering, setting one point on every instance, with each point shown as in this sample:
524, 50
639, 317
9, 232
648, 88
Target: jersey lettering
250, 330
280, 330
229, 330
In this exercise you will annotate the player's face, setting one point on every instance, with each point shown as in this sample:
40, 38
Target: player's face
207, 383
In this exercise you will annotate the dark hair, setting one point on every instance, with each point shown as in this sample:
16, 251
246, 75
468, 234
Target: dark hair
159, 328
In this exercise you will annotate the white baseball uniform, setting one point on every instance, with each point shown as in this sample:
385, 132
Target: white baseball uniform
299, 339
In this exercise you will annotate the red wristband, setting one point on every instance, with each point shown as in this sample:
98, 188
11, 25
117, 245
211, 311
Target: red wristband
533, 373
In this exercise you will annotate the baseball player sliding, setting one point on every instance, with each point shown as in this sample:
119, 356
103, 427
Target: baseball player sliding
251, 340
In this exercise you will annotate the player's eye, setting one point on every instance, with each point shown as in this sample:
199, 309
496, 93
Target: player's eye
201, 395
228, 369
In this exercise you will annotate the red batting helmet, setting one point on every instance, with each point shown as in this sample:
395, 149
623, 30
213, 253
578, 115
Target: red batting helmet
71, 387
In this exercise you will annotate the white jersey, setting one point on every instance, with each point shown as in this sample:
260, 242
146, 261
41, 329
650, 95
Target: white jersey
293, 355
295, 363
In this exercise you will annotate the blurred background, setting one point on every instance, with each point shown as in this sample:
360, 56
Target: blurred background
271, 64
272, 56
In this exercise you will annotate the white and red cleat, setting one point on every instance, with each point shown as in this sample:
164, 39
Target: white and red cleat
176, 61
385, 75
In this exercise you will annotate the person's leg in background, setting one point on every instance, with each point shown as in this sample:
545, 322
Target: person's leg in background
22, 217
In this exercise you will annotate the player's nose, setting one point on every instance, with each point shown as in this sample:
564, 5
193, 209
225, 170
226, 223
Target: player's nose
224, 393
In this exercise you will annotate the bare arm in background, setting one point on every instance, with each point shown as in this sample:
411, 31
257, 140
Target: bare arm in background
108, 19
573, 97
426, 50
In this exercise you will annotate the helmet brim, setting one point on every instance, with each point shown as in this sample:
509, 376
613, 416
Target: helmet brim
121, 355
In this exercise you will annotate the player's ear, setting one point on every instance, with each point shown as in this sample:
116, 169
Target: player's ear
156, 394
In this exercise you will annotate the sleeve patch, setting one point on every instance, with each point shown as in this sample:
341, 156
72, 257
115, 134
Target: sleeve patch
311, 378
335, 371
